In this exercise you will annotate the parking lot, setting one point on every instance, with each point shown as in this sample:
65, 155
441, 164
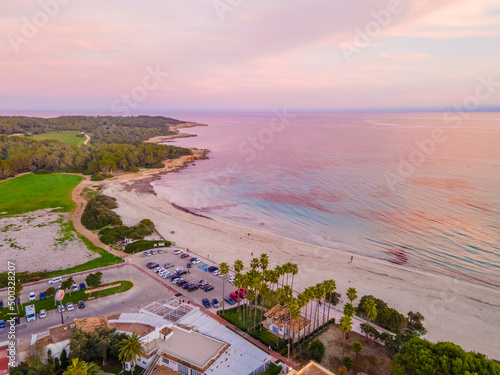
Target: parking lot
196, 273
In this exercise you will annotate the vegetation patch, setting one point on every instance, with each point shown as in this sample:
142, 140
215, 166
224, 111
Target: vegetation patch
35, 192
73, 138
121, 232
98, 214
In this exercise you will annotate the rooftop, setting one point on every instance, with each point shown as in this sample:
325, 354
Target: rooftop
280, 314
312, 368
192, 347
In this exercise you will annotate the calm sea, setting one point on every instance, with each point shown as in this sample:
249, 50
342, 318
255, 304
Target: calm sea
418, 190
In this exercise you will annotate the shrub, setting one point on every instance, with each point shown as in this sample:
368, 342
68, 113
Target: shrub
378, 303
347, 362
317, 350
143, 245
100, 176
391, 319
98, 213
273, 369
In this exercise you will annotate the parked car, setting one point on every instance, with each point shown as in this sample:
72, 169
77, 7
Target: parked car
177, 280
206, 303
55, 280
192, 259
216, 273
215, 303
208, 288
2, 324
242, 292
74, 288
42, 296
166, 275
189, 265
230, 300
177, 252
17, 320
59, 307
231, 279
192, 287
168, 265
212, 269
153, 252
184, 255
1, 303
147, 253
32, 296
234, 296
203, 282
196, 261
70, 306
173, 277
81, 305
185, 284
154, 265
42, 314
159, 269
160, 251
83, 286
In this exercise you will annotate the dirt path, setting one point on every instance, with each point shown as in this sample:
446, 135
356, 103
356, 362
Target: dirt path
76, 217
87, 140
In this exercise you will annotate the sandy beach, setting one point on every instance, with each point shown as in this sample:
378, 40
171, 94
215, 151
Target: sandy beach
455, 311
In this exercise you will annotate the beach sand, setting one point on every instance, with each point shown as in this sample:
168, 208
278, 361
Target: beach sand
456, 311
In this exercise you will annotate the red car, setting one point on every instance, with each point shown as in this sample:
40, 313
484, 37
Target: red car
241, 292
234, 296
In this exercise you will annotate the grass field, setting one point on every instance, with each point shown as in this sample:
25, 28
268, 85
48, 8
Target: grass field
33, 192
69, 137
50, 304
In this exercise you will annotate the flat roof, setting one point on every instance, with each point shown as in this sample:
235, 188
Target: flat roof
192, 347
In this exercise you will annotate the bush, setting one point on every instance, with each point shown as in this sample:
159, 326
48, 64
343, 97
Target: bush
273, 369
347, 362
378, 303
100, 176
391, 319
144, 245
317, 350
98, 213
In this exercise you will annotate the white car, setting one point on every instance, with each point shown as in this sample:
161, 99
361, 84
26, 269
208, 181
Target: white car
196, 261
59, 308
216, 273
153, 252
160, 251
32, 296
231, 279
166, 275
55, 280
74, 288
147, 253
177, 281
160, 269
42, 314
177, 252
70, 306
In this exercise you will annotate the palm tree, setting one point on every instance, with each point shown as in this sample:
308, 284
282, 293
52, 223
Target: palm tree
238, 266
330, 287
224, 270
264, 261
345, 326
263, 291
319, 292
357, 348
78, 367
286, 270
293, 313
370, 308
294, 269
310, 297
254, 263
349, 310
239, 283
130, 348
93, 369
351, 294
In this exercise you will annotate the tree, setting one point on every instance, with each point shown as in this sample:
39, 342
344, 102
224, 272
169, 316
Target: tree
18, 287
351, 294
224, 270
130, 348
93, 280
347, 362
64, 359
77, 367
264, 261
50, 292
342, 370
370, 311
93, 369
391, 319
317, 350
415, 322
345, 326
330, 287
67, 284
357, 348
319, 293
349, 310
294, 269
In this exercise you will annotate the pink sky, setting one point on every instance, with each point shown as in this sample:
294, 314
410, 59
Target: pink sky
253, 55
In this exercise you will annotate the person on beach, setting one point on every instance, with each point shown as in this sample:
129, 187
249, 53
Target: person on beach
351, 259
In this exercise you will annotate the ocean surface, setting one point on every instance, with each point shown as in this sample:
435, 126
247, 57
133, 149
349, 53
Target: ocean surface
417, 190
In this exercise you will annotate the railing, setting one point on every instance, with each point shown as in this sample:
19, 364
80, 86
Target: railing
149, 370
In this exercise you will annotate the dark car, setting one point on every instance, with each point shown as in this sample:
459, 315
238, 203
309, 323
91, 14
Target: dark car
182, 283
2, 324
193, 259
206, 302
1, 303
208, 288
42, 295
154, 265
83, 286
193, 287
229, 300
149, 263
186, 285
182, 272
184, 256
215, 303
81, 305
175, 277
189, 265
212, 269
17, 320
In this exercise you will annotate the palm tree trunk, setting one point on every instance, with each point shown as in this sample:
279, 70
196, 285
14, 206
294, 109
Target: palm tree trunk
255, 312
324, 307
343, 348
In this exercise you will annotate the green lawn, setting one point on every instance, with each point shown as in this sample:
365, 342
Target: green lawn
49, 304
68, 137
33, 192
232, 316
